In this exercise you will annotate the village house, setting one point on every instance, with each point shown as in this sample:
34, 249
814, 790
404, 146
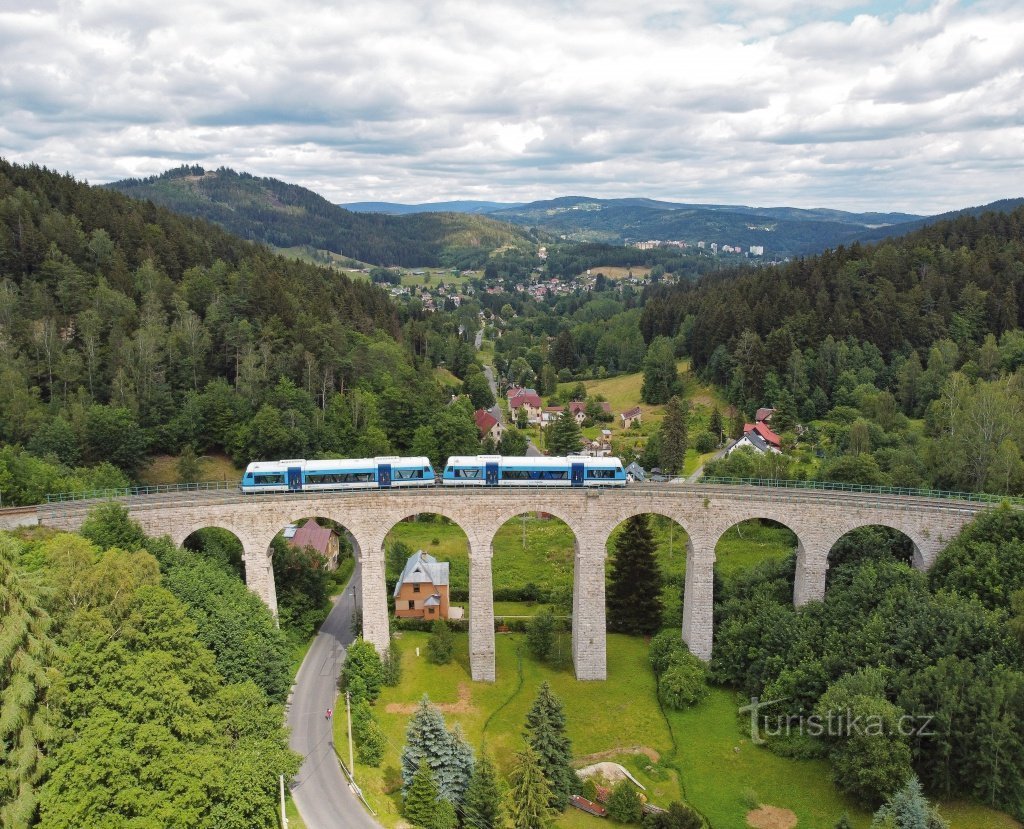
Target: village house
764, 414
524, 398
551, 414
758, 437
634, 415
488, 425
421, 592
322, 539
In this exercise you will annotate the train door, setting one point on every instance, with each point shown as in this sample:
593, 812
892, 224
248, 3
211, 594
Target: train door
491, 474
577, 474
384, 475
295, 479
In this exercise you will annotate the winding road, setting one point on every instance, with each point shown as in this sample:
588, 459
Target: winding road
320, 790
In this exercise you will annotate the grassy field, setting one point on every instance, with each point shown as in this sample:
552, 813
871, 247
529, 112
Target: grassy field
163, 469
619, 272
714, 766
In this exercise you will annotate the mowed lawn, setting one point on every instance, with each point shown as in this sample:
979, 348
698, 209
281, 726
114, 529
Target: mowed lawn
714, 767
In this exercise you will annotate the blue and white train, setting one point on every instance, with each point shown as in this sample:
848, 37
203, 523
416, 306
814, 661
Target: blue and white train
497, 470
346, 473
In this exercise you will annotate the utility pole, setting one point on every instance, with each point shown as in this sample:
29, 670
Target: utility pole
284, 817
351, 760
523, 521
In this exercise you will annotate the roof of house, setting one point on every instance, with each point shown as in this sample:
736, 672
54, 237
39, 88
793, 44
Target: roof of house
313, 535
764, 431
636, 471
484, 421
764, 413
634, 412
525, 397
433, 601
423, 568
758, 442
554, 409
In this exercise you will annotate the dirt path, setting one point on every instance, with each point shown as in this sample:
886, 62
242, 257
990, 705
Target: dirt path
587, 759
463, 706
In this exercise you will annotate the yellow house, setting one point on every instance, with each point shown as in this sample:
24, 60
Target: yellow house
422, 590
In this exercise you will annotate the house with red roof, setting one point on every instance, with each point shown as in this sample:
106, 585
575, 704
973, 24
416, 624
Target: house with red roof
760, 438
528, 399
634, 415
488, 425
322, 539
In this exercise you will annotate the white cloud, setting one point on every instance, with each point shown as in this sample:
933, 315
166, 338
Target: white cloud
855, 104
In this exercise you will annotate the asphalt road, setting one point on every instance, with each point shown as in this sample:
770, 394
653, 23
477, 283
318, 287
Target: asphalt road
320, 790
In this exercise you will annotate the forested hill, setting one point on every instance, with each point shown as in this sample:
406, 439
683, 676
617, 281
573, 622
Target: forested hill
959, 279
286, 215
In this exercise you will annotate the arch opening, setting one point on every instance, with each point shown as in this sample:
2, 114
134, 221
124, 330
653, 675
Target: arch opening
641, 600
220, 545
533, 561
312, 559
427, 571
869, 543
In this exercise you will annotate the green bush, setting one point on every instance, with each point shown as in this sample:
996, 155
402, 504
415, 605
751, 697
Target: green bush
705, 442
684, 681
624, 804
440, 645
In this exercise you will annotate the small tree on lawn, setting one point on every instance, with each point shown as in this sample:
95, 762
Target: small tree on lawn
540, 635
441, 644
420, 800
634, 592
624, 803
683, 682
529, 795
908, 808
482, 806
545, 732
372, 744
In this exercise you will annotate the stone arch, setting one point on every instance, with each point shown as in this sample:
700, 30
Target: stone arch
920, 545
681, 549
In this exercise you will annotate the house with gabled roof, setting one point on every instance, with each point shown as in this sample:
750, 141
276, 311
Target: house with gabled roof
322, 539
523, 398
634, 415
488, 425
421, 592
759, 438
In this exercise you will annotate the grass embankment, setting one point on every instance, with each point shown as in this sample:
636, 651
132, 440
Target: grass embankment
163, 469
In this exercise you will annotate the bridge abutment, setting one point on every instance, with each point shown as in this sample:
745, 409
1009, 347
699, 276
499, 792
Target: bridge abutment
811, 571
589, 626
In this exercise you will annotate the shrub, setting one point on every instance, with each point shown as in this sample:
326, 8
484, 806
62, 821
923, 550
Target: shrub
540, 635
684, 681
440, 645
624, 804
705, 442
372, 745
663, 646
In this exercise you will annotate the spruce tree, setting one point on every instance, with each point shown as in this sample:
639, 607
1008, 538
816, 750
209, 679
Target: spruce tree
530, 795
545, 732
446, 753
564, 435
482, 805
441, 644
672, 436
908, 808
715, 425
420, 800
634, 591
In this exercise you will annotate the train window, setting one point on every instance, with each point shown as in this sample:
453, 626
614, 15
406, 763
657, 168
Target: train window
406, 474
467, 473
269, 479
600, 473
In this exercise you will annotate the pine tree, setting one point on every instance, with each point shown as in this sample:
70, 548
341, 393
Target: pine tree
482, 805
564, 435
420, 801
715, 425
624, 803
530, 795
634, 590
545, 732
445, 816
672, 436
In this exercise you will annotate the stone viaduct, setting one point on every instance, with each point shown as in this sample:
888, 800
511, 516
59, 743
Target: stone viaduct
818, 518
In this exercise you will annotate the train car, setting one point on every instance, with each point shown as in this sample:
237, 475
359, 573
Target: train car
301, 475
498, 470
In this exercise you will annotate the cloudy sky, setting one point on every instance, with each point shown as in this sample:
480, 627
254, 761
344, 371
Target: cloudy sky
855, 104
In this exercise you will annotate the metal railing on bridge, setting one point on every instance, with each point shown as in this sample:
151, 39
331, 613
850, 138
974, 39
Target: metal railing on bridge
134, 491
865, 489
